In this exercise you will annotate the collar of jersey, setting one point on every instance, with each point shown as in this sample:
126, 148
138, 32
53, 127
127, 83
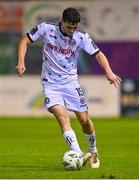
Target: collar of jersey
64, 34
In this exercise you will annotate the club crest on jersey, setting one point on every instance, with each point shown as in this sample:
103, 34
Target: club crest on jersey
72, 42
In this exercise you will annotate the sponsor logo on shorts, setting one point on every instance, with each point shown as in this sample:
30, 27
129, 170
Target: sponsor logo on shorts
47, 100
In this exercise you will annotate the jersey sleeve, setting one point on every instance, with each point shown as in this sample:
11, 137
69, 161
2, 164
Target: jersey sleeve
36, 32
89, 45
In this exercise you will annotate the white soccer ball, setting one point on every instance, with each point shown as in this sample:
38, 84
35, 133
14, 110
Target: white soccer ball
72, 160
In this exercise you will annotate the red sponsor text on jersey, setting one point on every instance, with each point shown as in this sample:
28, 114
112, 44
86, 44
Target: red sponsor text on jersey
61, 50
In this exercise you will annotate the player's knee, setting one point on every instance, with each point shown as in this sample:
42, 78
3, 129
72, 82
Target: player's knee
85, 121
62, 118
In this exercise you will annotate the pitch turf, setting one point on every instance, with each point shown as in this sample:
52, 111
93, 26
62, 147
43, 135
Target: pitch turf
32, 148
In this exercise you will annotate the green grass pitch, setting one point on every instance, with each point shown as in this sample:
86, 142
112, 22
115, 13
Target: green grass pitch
32, 148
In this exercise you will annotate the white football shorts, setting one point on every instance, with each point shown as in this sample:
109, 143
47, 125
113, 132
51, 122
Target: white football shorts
68, 95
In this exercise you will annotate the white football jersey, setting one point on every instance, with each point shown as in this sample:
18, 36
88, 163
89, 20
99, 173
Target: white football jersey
60, 52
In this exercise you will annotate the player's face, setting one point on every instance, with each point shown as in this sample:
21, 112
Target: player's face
68, 28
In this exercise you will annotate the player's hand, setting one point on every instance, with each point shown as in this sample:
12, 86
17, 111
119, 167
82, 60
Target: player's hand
113, 79
20, 69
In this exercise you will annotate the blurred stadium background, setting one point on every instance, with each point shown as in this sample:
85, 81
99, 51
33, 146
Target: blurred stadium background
114, 25
26, 151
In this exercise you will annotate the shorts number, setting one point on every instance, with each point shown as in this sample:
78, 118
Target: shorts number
79, 90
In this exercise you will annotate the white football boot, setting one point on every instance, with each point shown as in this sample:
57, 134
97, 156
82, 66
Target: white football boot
86, 157
94, 161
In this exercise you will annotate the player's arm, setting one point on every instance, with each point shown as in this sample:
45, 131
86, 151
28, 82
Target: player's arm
91, 48
22, 48
113, 78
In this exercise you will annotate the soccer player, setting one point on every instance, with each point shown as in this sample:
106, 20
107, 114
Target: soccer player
62, 43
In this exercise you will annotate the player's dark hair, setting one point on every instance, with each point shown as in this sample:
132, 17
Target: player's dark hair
71, 15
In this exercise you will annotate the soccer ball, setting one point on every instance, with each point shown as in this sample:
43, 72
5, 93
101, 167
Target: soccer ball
72, 160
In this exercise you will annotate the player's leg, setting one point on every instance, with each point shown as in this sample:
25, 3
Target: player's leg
89, 132
61, 115
88, 129
55, 103
75, 101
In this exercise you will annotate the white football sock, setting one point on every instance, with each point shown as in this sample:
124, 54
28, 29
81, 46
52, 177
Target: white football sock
71, 140
91, 142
